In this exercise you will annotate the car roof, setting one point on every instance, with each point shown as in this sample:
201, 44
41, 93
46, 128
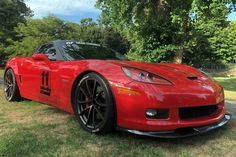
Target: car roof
82, 43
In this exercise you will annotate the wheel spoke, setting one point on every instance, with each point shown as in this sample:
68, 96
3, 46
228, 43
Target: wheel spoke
94, 117
85, 94
7, 88
84, 102
89, 115
11, 91
100, 104
94, 88
9, 77
88, 88
84, 110
99, 113
8, 82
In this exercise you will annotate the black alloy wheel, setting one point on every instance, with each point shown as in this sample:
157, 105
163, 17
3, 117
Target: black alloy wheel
93, 104
11, 89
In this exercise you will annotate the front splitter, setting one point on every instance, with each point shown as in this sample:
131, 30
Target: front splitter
182, 132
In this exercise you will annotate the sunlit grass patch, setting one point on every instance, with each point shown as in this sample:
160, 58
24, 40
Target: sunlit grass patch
229, 84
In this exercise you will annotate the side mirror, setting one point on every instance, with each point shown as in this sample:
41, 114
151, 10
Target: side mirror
40, 57
51, 54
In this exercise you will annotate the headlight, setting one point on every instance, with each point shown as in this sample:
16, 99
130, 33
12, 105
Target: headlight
144, 76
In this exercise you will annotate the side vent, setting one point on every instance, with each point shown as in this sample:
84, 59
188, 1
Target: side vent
192, 77
20, 78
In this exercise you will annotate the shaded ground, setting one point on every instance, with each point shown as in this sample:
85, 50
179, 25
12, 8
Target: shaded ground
32, 129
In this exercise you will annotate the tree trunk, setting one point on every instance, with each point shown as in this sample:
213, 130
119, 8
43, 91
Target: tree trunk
179, 56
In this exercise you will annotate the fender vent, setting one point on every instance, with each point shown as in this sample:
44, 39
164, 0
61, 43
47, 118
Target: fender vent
192, 77
20, 78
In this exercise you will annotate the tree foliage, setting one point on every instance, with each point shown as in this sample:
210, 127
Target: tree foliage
38, 31
162, 30
11, 13
210, 23
223, 43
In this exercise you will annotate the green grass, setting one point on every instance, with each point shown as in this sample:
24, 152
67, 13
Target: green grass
31, 129
1, 72
34, 130
229, 84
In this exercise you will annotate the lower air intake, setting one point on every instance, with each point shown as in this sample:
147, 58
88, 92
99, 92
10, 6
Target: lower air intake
197, 112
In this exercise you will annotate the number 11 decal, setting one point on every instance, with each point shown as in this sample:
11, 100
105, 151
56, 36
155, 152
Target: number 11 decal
44, 88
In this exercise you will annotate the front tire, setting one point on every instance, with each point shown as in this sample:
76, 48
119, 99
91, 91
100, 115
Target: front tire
93, 103
11, 90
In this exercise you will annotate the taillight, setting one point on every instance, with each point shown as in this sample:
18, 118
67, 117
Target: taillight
144, 76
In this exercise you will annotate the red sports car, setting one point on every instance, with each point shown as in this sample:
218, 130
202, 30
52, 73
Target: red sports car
106, 91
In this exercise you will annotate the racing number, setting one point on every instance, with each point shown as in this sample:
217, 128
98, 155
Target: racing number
44, 88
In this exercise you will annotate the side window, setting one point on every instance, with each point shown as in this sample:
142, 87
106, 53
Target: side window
49, 50
42, 49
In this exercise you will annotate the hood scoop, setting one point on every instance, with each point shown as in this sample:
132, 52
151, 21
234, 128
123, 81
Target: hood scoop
192, 77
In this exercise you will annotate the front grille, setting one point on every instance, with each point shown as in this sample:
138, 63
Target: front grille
196, 112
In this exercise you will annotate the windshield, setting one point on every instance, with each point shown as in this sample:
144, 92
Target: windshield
76, 51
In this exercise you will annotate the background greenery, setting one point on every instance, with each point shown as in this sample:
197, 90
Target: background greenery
194, 32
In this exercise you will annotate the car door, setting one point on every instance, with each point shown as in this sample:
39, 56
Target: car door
37, 76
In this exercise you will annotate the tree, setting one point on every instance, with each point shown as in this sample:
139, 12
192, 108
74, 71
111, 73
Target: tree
210, 18
223, 43
114, 40
11, 13
140, 24
33, 33
162, 30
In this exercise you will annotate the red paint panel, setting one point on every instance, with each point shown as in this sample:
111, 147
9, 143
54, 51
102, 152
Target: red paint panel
132, 98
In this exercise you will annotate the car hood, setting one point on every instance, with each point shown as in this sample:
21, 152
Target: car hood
168, 71
183, 76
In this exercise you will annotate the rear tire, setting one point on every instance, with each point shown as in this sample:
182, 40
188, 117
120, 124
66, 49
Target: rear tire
94, 106
11, 90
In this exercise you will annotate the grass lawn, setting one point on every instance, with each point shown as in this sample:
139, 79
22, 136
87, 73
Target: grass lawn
31, 129
1, 71
229, 84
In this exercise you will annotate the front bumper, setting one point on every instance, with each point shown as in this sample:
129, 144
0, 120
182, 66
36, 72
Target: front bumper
182, 132
134, 99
